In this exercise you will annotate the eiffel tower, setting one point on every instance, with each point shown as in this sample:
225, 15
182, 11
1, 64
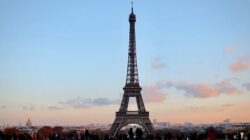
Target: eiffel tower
132, 89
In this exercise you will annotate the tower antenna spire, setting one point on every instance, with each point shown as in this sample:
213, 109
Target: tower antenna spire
132, 6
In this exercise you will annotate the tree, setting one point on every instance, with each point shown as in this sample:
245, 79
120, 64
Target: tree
12, 133
211, 134
45, 132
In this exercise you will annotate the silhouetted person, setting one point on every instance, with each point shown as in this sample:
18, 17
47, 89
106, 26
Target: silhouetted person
179, 137
87, 134
150, 137
193, 136
106, 137
248, 136
131, 134
200, 137
82, 136
158, 137
167, 136
139, 133
1, 135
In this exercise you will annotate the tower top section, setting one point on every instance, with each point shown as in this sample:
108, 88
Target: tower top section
132, 17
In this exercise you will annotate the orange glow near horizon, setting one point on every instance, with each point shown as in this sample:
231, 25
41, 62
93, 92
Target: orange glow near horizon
106, 115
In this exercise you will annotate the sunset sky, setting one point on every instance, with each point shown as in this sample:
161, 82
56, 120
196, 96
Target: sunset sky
64, 62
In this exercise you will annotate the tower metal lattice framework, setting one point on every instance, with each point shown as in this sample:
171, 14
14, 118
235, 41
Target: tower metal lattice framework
131, 89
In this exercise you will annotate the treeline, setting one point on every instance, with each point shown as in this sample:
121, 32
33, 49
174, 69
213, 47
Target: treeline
58, 133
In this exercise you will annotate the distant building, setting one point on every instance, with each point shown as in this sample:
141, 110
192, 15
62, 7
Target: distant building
160, 125
226, 121
29, 123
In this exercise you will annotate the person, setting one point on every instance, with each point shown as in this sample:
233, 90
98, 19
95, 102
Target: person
131, 133
248, 136
106, 137
139, 133
87, 134
158, 137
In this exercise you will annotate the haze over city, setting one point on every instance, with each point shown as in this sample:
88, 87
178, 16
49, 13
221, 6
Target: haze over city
64, 62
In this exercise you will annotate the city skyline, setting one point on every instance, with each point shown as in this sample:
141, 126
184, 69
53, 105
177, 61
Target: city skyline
65, 62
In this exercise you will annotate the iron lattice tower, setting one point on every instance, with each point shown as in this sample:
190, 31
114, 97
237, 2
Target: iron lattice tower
132, 89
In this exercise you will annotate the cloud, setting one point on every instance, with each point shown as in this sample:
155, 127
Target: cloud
30, 108
237, 106
3, 106
157, 64
202, 90
53, 108
226, 87
80, 102
227, 105
153, 94
195, 108
150, 94
230, 49
104, 101
247, 86
77, 102
242, 63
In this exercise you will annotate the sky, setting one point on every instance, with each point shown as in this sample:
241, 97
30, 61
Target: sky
64, 62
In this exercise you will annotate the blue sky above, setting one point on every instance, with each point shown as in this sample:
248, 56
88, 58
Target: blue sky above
52, 52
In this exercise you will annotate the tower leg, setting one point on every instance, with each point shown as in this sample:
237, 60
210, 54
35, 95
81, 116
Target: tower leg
124, 104
114, 128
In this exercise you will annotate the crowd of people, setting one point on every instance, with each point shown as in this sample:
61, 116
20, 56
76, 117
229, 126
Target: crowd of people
58, 133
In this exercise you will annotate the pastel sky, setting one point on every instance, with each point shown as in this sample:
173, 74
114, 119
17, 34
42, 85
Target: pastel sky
64, 62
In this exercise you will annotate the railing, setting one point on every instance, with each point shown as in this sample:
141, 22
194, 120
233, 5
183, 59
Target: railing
132, 113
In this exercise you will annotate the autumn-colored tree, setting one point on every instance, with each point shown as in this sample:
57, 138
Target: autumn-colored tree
211, 134
12, 133
45, 132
